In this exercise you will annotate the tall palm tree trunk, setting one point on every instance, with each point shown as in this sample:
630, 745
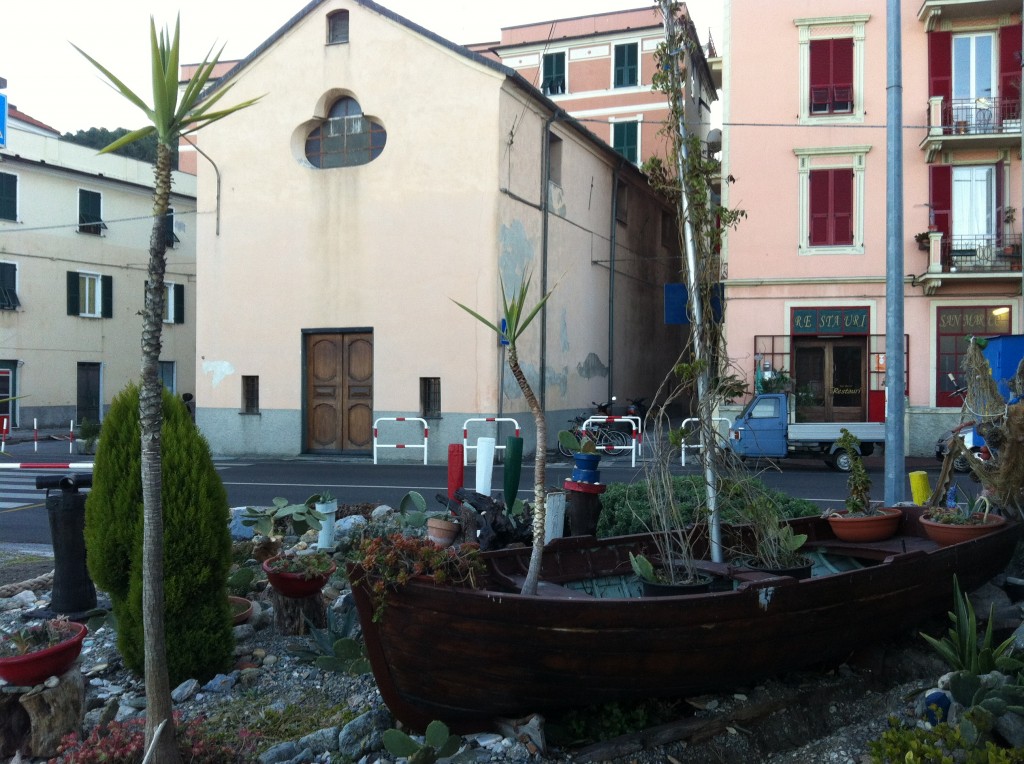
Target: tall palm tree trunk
158, 690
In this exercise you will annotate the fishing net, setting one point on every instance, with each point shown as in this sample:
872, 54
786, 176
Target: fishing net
983, 403
1002, 427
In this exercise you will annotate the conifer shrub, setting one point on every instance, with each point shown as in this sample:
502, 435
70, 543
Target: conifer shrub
197, 541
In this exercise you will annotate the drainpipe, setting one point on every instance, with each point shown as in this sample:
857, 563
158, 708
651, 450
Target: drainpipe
612, 242
216, 171
545, 152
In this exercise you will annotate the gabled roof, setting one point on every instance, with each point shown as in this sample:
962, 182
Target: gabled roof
13, 113
512, 75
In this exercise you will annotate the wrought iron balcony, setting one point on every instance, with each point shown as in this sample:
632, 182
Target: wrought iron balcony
981, 254
971, 123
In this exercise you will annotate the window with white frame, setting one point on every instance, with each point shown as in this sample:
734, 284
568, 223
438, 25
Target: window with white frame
831, 57
174, 303
167, 376
90, 295
831, 200
553, 77
626, 139
626, 71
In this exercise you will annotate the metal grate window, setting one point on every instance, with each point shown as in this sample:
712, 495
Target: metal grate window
337, 27
430, 397
250, 395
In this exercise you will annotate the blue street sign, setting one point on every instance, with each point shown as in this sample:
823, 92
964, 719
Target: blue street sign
503, 339
3, 121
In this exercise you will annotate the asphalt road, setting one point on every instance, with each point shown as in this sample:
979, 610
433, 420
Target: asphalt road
23, 517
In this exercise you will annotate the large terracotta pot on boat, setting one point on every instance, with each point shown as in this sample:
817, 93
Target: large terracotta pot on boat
945, 534
863, 528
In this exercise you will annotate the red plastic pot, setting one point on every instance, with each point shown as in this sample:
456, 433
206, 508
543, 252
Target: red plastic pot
32, 668
293, 584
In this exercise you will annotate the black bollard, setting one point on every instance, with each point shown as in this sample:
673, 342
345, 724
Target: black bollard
73, 590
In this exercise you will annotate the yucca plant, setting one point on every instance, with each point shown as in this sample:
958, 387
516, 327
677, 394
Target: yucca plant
517, 318
172, 115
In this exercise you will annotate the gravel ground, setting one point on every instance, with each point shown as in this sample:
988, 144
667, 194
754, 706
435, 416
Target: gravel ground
827, 716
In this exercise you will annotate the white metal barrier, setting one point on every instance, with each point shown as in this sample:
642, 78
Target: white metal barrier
376, 435
465, 434
634, 423
696, 446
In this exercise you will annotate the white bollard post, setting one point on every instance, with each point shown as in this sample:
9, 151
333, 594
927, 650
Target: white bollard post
484, 465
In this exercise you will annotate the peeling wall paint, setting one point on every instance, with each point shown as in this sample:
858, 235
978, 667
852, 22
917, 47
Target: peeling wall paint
218, 370
517, 253
592, 367
764, 597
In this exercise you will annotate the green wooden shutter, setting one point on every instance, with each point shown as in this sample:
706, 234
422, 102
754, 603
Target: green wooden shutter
8, 196
179, 303
74, 308
107, 296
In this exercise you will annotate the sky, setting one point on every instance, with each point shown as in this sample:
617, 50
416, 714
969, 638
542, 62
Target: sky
50, 81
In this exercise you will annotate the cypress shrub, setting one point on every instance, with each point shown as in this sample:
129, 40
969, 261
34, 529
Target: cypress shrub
197, 541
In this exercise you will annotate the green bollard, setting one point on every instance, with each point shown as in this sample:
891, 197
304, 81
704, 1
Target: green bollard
513, 468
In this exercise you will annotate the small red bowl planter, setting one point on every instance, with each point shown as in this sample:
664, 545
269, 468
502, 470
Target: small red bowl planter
293, 584
32, 668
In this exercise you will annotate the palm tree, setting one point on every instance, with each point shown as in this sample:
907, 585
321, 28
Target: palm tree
171, 116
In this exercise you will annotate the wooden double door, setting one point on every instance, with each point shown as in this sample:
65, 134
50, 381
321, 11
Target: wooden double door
339, 392
830, 380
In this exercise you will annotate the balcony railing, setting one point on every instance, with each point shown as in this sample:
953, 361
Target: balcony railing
981, 254
981, 116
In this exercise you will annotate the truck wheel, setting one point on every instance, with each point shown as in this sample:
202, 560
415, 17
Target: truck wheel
961, 463
841, 461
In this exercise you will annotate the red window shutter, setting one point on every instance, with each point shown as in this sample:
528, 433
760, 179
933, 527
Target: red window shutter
819, 203
842, 62
941, 196
940, 64
821, 62
1009, 66
842, 206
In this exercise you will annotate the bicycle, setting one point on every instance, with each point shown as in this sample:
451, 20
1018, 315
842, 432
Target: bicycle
607, 439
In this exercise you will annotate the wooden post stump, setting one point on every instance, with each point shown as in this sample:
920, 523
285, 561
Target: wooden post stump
289, 612
33, 721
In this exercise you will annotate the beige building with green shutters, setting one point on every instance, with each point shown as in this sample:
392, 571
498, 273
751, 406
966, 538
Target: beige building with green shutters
74, 248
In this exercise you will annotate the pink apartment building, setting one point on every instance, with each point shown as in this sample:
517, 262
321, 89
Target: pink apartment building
805, 138
599, 69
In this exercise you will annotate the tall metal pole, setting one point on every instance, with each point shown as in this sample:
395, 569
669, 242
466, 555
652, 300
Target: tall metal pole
693, 284
895, 373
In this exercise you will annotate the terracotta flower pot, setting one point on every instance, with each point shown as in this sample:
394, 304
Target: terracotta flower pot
241, 609
33, 668
870, 528
294, 584
442, 532
945, 534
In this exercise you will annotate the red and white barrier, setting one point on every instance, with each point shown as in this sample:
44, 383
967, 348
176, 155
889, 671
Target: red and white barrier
465, 434
5, 427
46, 465
634, 424
376, 435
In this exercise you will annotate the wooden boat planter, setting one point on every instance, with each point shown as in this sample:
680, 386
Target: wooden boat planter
566, 648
